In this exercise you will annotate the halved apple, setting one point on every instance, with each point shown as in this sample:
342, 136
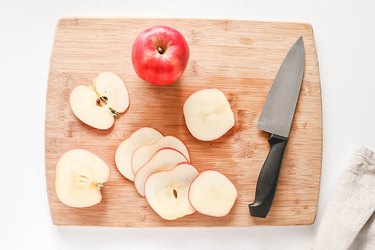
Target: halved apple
80, 175
144, 154
123, 157
98, 104
212, 193
163, 159
167, 191
208, 114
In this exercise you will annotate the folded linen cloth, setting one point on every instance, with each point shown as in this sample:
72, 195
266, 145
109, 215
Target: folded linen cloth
349, 219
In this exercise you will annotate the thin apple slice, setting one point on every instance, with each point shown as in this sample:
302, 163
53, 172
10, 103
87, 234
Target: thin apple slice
208, 114
98, 104
123, 157
164, 159
144, 154
212, 193
167, 191
80, 175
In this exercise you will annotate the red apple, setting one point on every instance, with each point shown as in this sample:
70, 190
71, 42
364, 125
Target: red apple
160, 55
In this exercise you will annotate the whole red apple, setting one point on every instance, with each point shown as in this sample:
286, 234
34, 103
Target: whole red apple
160, 55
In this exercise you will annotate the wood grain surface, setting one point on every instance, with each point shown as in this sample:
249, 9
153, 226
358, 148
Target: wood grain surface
241, 58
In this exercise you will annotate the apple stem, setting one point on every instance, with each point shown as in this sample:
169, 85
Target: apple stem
103, 99
114, 112
99, 186
160, 50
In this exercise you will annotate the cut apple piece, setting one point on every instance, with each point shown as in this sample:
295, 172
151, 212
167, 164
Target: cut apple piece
208, 114
167, 191
164, 159
144, 154
80, 176
125, 151
98, 104
212, 193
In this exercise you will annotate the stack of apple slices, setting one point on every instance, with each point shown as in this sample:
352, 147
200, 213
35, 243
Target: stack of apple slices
160, 169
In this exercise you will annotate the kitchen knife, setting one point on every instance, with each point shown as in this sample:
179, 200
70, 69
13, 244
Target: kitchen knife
276, 118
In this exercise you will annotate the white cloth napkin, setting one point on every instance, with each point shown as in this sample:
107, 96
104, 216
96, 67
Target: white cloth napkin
349, 219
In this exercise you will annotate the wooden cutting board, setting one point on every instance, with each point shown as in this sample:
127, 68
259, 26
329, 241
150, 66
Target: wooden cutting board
241, 58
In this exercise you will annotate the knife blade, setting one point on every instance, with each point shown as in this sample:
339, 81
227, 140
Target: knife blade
276, 118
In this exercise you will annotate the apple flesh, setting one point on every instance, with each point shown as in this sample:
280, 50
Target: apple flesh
123, 157
164, 159
167, 191
80, 176
160, 55
208, 114
98, 104
144, 154
212, 193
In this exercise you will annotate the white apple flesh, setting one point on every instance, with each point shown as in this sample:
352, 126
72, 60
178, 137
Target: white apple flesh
80, 176
212, 193
144, 154
208, 114
123, 157
164, 159
98, 104
167, 191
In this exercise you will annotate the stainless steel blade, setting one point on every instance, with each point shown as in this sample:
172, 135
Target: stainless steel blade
278, 110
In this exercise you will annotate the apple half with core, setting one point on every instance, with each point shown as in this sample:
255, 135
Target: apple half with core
208, 114
98, 104
123, 157
212, 193
160, 55
80, 176
167, 191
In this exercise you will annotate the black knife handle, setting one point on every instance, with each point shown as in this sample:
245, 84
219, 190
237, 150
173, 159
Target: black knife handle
268, 177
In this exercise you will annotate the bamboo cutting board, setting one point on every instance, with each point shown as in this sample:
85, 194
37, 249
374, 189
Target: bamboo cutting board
241, 58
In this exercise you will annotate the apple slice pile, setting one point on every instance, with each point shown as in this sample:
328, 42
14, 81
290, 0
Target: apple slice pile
98, 104
160, 169
134, 152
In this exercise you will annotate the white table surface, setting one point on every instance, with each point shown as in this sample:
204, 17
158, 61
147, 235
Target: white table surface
345, 40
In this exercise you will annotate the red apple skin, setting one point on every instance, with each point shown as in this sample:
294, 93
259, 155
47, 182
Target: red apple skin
164, 67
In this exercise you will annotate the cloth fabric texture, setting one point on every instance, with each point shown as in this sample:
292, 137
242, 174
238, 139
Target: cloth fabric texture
349, 219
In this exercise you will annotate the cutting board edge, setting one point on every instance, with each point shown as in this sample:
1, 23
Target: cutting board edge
55, 222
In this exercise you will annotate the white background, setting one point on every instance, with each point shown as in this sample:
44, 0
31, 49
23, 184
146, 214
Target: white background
345, 40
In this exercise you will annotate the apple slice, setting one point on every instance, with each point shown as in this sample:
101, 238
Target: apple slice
80, 175
208, 115
98, 104
212, 193
125, 151
167, 191
164, 159
144, 154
